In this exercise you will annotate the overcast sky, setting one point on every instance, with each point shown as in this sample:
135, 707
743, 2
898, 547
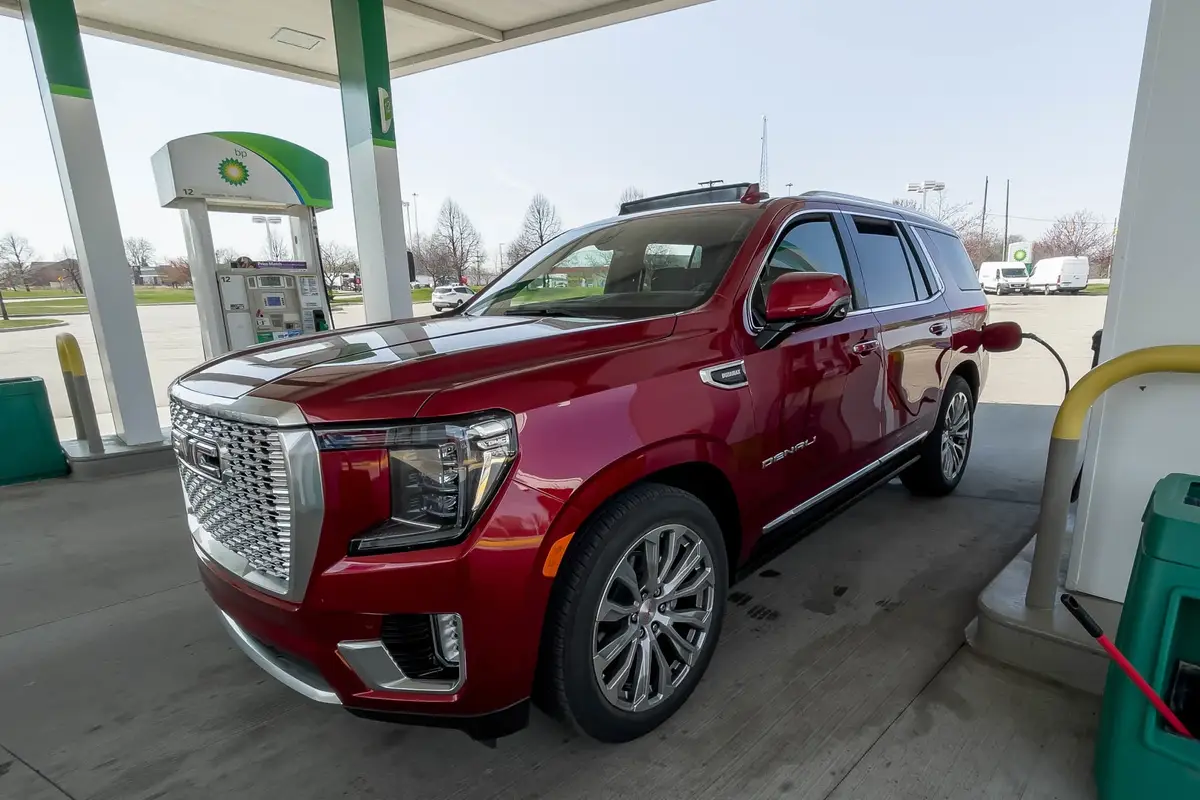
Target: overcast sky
863, 96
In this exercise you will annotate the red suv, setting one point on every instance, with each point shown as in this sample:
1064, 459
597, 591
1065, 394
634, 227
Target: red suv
546, 493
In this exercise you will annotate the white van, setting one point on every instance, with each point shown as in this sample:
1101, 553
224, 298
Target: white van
1003, 277
1065, 274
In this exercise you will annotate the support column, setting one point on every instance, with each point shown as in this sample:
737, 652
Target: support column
362, 55
198, 239
1145, 428
53, 33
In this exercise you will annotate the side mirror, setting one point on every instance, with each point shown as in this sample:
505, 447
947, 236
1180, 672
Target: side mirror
1000, 337
802, 298
807, 297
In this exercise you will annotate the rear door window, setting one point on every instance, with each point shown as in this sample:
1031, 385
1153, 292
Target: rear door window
951, 259
887, 263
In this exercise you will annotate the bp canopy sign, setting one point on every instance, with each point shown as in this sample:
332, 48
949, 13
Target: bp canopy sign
1020, 251
237, 171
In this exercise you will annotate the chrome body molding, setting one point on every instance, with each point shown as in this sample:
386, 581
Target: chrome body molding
707, 375
247, 408
371, 661
294, 675
812, 501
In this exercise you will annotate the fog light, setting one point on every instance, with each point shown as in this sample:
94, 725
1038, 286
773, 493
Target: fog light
449, 637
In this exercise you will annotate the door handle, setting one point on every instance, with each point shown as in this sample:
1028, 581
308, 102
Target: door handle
938, 328
863, 348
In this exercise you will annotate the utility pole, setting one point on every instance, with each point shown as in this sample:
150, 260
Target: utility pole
710, 184
1004, 257
983, 223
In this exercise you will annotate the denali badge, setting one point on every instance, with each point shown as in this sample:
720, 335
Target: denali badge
781, 456
199, 455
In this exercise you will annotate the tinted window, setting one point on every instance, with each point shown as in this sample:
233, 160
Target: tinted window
951, 258
883, 255
812, 245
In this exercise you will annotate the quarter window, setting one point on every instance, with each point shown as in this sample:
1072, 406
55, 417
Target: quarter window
951, 258
812, 245
888, 264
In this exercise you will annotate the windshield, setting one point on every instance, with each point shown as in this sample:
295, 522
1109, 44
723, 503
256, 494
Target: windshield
628, 268
1014, 272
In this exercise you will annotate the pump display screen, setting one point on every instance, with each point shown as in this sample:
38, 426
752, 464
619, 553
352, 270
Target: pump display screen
274, 281
273, 301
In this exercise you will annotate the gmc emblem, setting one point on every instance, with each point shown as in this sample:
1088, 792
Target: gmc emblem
199, 455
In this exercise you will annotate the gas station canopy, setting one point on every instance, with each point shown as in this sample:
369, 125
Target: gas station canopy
294, 38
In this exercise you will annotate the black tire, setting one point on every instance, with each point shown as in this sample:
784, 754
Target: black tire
570, 685
927, 477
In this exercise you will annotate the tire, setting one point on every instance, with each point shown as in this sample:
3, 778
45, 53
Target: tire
605, 556
930, 476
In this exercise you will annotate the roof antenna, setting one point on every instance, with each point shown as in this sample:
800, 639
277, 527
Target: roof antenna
762, 161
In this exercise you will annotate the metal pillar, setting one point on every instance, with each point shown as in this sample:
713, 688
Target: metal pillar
363, 72
53, 33
1143, 428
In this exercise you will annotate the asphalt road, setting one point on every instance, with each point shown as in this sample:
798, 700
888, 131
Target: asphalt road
172, 336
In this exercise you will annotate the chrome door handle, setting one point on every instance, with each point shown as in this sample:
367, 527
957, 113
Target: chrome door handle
938, 328
863, 348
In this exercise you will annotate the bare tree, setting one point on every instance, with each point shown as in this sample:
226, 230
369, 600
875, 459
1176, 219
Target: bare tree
1080, 233
68, 268
630, 194
955, 215
140, 254
455, 244
337, 259
541, 224
224, 255
278, 248
178, 272
16, 260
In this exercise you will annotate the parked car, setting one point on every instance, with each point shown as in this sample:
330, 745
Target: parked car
1003, 277
1063, 275
547, 497
451, 296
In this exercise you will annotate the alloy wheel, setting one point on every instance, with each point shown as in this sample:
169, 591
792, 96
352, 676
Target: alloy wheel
654, 617
956, 435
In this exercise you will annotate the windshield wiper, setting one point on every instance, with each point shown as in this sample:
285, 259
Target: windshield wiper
539, 312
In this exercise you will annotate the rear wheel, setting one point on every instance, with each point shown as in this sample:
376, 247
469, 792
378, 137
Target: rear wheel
945, 451
636, 612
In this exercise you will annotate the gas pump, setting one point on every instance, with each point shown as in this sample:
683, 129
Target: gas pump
244, 302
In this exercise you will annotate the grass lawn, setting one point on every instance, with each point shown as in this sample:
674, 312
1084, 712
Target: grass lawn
1096, 288
25, 322
21, 294
64, 303
418, 296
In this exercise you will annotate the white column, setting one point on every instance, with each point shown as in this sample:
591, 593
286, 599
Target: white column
360, 36
53, 33
198, 238
1147, 427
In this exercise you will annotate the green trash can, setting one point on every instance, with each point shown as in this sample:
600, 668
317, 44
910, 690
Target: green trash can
1137, 755
29, 446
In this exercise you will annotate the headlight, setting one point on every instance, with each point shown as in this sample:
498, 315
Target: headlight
443, 475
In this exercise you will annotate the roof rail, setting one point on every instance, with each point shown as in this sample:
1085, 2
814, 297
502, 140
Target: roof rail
822, 194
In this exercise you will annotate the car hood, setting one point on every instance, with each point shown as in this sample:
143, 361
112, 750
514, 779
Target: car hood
388, 370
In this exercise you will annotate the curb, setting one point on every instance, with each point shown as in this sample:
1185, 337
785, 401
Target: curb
58, 323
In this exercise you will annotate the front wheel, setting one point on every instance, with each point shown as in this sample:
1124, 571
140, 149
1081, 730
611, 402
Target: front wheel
636, 612
944, 452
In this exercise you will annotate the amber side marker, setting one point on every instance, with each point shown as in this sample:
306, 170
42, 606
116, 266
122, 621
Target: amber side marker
555, 556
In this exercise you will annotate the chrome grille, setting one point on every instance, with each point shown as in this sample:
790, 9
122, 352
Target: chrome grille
248, 510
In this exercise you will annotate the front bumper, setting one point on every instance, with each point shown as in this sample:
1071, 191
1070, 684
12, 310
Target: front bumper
329, 646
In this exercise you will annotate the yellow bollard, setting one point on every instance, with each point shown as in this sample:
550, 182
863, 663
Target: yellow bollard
1042, 591
79, 392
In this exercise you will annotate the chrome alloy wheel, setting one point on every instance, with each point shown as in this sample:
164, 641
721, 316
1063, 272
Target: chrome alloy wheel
654, 618
956, 436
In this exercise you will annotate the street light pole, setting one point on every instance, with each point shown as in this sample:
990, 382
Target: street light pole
268, 222
416, 230
789, 189
925, 187
710, 184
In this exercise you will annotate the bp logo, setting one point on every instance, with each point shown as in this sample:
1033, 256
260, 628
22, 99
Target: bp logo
233, 172
1020, 255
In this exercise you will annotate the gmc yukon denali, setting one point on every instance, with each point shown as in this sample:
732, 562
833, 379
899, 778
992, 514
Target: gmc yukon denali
543, 495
